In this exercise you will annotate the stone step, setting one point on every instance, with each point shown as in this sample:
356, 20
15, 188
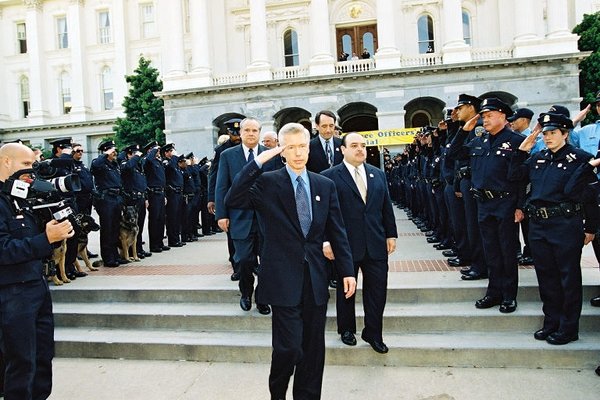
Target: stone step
398, 317
458, 349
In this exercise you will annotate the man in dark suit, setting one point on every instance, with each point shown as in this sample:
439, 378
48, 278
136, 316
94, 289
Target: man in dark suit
325, 148
297, 210
239, 223
371, 228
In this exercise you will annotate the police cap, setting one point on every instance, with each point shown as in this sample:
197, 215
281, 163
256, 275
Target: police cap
132, 148
557, 109
150, 145
61, 143
107, 144
598, 97
495, 104
468, 99
189, 155
550, 122
168, 147
233, 126
521, 113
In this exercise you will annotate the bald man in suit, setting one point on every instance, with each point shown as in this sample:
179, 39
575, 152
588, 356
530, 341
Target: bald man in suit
297, 209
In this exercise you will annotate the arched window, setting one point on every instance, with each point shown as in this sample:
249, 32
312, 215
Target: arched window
347, 45
24, 88
65, 92
368, 42
466, 23
107, 89
425, 31
290, 45
420, 119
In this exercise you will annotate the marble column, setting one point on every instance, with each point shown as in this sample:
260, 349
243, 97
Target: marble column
387, 55
38, 113
80, 109
201, 74
259, 68
120, 63
322, 61
559, 37
454, 50
170, 26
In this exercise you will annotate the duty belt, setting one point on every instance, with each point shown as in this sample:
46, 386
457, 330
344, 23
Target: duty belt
464, 172
175, 189
561, 210
113, 191
134, 194
156, 190
486, 194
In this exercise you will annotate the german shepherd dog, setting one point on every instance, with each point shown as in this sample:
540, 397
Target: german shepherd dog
128, 231
85, 225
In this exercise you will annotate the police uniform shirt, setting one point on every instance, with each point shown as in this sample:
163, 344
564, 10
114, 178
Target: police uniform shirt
132, 176
188, 181
154, 170
85, 177
173, 174
106, 173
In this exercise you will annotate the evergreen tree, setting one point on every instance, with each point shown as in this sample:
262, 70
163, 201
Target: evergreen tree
145, 116
589, 75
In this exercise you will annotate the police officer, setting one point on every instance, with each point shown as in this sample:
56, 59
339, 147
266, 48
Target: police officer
205, 216
557, 232
134, 189
497, 200
27, 328
188, 222
108, 201
84, 197
156, 182
174, 193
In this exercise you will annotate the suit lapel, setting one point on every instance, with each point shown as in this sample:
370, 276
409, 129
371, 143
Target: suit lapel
286, 194
348, 179
315, 200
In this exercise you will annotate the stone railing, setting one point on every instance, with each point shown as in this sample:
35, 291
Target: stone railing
421, 60
495, 53
229, 79
347, 67
290, 72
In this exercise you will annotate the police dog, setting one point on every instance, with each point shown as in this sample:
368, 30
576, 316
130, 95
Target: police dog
85, 224
58, 258
128, 231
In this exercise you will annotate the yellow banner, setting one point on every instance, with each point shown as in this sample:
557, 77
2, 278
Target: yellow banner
389, 137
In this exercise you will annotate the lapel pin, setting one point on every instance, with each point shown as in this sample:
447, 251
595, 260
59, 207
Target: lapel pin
370, 175
317, 198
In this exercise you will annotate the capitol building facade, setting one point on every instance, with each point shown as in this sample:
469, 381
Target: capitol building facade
378, 64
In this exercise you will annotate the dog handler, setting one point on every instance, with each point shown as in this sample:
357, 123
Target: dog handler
26, 320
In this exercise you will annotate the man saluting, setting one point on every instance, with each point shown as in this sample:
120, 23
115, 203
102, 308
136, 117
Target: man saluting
298, 210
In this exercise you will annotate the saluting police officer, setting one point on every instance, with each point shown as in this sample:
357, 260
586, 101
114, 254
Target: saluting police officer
556, 206
134, 189
188, 223
108, 201
156, 182
174, 192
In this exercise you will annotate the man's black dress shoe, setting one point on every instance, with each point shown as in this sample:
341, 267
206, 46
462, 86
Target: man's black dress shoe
166, 248
91, 255
378, 346
457, 262
146, 253
245, 303
487, 302
332, 283
433, 239
508, 306
472, 276
178, 244
80, 274
156, 250
429, 234
449, 253
561, 338
235, 276
122, 261
598, 370
348, 338
71, 276
111, 264
443, 246
595, 302
264, 309
543, 333
526, 261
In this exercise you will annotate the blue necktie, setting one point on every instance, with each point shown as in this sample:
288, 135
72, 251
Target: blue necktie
302, 206
250, 155
329, 155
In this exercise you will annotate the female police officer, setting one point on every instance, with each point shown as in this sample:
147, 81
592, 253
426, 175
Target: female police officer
556, 208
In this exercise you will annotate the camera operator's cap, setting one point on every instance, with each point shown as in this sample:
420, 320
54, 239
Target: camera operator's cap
132, 148
557, 109
551, 122
521, 113
106, 145
468, 99
61, 143
233, 126
428, 130
495, 104
189, 155
150, 145
168, 147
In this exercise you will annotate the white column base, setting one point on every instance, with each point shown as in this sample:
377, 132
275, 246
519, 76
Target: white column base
177, 82
38, 118
322, 64
456, 54
258, 72
561, 44
201, 77
387, 59
79, 114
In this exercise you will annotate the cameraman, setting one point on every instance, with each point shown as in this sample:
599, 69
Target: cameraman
26, 323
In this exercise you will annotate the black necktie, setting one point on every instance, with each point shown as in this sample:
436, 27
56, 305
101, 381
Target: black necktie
302, 206
329, 155
250, 155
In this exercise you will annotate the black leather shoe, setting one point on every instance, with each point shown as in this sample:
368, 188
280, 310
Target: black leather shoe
245, 303
429, 234
433, 239
378, 346
92, 255
264, 309
598, 370
348, 338
111, 264
332, 283
457, 262
122, 261
178, 244
147, 253
508, 306
449, 253
156, 250
560, 338
71, 276
80, 274
543, 333
443, 246
487, 302
235, 276
472, 276
595, 302
166, 248
526, 261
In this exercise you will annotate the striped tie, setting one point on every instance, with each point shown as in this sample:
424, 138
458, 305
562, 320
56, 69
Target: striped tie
302, 206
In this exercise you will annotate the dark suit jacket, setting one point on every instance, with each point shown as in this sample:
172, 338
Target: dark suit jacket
286, 252
367, 225
317, 159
